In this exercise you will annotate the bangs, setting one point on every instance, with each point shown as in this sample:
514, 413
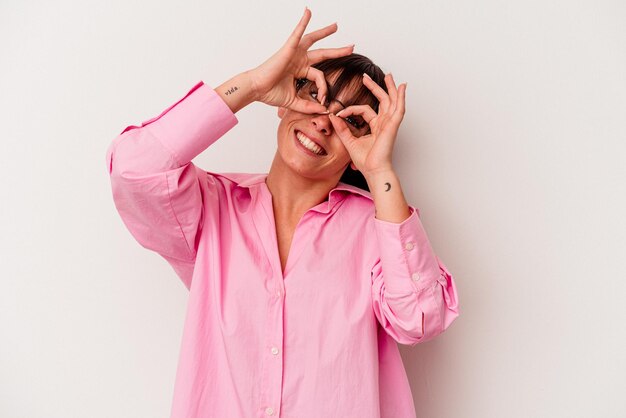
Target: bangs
352, 86
348, 72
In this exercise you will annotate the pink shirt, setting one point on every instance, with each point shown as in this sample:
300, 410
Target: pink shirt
320, 340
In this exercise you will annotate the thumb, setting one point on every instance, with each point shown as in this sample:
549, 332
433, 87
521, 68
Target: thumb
343, 132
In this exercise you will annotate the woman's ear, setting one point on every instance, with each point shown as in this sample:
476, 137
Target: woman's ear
281, 112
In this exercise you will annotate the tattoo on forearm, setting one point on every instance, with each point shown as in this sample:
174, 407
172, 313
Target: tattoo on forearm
231, 91
388, 187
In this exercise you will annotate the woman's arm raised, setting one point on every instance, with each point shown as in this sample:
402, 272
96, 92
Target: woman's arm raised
161, 196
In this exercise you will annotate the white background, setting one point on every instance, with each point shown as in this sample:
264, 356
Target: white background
512, 147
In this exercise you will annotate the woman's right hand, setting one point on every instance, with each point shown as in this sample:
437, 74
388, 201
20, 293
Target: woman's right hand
273, 82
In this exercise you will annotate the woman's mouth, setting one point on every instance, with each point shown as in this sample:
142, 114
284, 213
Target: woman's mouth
307, 145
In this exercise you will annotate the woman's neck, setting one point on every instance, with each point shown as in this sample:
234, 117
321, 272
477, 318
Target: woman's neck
293, 194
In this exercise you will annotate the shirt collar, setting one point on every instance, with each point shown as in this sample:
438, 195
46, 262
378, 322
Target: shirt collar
335, 195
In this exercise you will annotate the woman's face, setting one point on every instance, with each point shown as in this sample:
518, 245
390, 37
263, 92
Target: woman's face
334, 158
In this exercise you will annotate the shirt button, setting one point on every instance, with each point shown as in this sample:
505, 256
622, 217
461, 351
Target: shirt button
415, 276
409, 246
274, 350
278, 293
269, 411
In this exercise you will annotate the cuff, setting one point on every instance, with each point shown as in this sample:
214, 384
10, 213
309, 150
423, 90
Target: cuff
192, 124
407, 258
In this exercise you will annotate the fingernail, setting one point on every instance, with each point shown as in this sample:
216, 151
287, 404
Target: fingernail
366, 75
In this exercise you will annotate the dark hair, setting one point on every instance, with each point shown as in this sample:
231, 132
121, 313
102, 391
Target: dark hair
350, 69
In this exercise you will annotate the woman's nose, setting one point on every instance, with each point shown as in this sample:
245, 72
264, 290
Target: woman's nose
322, 123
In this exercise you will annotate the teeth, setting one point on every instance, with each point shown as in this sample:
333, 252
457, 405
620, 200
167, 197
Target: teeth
309, 144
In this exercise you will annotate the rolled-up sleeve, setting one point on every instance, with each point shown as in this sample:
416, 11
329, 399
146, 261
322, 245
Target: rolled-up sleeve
414, 295
159, 193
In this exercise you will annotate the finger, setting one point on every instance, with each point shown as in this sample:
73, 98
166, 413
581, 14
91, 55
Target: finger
393, 90
310, 38
400, 107
365, 111
294, 39
319, 55
341, 127
307, 106
317, 76
377, 91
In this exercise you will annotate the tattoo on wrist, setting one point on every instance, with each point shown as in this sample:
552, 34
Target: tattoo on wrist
231, 90
388, 186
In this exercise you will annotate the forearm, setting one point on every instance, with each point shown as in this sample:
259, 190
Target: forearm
391, 206
237, 92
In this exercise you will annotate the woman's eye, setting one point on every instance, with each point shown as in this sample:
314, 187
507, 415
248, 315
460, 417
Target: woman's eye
354, 123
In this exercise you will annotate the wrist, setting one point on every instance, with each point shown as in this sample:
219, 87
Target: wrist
249, 80
238, 91
377, 173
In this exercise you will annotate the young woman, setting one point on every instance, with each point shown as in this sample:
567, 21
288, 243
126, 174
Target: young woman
303, 280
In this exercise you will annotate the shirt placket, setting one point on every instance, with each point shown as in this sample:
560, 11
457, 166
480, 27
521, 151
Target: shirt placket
272, 370
270, 390
273, 359
273, 343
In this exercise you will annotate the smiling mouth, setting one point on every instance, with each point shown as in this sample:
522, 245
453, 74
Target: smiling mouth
309, 145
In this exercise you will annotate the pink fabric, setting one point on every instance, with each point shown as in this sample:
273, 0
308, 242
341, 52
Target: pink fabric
320, 341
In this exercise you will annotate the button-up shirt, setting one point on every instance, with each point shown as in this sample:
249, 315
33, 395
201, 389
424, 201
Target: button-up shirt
317, 340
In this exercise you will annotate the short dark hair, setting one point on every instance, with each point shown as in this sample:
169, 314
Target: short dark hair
350, 69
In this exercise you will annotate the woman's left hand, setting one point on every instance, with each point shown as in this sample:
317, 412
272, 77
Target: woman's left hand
372, 153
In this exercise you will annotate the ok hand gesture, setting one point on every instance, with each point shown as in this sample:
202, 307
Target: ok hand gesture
372, 153
273, 82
